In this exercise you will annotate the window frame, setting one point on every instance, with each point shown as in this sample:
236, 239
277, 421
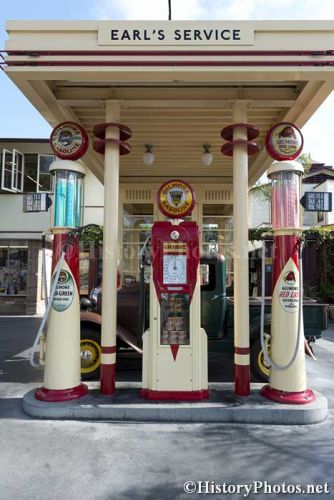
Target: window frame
3, 163
17, 170
38, 184
15, 166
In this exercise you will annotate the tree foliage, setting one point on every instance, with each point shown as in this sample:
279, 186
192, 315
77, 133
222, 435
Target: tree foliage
262, 191
306, 160
92, 234
319, 235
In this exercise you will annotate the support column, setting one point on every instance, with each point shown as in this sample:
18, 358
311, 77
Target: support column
241, 285
110, 251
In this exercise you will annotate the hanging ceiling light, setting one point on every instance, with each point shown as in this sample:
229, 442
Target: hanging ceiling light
148, 157
207, 157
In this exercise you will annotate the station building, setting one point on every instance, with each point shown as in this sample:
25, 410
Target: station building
176, 85
26, 190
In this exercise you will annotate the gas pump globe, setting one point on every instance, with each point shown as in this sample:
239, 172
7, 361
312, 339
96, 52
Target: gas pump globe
287, 381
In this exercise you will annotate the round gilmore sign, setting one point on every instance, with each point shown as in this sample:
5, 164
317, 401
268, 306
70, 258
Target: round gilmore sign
69, 141
176, 199
284, 141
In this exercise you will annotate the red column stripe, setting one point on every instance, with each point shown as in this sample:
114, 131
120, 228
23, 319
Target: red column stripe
242, 380
241, 350
108, 349
108, 379
71, 255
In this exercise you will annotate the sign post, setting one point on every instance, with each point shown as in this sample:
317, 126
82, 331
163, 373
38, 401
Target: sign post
36, 202
314, 201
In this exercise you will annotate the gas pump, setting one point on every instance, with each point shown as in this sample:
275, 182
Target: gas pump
175, 346
62, 357
287, 382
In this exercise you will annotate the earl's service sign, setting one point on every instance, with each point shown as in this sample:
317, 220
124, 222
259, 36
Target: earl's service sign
174, 33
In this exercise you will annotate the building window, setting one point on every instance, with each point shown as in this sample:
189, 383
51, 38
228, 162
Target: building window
37, 178
13, 270
30, 174
136, 227
12, 171
43, 175
217, 234
27, 173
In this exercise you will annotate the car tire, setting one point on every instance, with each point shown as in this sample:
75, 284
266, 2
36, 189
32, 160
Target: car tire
90, 353
259, 369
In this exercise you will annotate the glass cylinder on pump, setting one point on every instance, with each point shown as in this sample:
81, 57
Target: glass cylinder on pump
68, 193
285, 198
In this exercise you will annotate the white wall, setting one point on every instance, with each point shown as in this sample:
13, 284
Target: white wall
94, 196
13, 219
258, 211
14, 223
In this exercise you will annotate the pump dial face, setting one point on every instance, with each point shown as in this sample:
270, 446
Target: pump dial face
174, 269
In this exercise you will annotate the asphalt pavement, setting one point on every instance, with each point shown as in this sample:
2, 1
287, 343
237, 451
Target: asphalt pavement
103, 460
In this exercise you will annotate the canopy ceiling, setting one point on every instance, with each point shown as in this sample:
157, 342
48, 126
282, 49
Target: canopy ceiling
177, 100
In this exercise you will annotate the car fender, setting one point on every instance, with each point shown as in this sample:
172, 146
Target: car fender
91, 318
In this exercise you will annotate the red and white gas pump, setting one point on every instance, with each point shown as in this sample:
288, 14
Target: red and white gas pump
287, 382
175, 346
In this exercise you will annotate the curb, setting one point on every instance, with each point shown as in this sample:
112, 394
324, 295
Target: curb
223, 406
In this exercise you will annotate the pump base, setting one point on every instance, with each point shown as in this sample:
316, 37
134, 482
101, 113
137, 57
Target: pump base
55, 395
289, 398
175, 395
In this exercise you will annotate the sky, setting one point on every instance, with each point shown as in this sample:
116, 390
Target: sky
20, 119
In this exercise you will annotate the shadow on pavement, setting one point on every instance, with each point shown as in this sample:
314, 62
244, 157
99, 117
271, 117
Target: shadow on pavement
11, 408
329, 333
18, 334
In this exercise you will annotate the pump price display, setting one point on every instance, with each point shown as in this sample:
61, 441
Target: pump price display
174, 269
317, 202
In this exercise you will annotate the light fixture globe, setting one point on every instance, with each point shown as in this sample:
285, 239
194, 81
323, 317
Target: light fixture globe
207, 156
148, 157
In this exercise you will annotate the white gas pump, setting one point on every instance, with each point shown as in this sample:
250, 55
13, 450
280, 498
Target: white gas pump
175, 346
287, 381
62, 357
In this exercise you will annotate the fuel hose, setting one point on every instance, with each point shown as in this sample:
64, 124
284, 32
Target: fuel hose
300, 311
47, 310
